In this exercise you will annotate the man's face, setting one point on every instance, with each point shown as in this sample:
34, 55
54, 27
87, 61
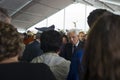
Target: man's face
73, 38
81, 36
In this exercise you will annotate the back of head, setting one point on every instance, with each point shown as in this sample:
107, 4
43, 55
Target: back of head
38, 35
94, 15
11, 42
103, 49
50, 41
4, 16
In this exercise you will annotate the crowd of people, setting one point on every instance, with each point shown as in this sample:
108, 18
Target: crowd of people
50, 55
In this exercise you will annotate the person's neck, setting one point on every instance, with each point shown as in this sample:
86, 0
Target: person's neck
10, 60
77, 43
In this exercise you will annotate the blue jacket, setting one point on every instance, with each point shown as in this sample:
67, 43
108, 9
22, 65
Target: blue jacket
75, 66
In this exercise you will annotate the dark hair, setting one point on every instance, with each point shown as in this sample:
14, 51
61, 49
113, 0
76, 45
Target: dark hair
50, 41
66, 37
11, 42
38, 35
94, 15
102, 51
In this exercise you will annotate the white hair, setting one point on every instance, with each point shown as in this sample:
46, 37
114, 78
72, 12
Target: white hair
76, 31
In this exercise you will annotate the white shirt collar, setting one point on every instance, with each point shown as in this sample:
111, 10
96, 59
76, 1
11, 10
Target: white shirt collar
77, 44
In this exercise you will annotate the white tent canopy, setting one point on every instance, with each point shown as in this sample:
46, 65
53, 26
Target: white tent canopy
26, 13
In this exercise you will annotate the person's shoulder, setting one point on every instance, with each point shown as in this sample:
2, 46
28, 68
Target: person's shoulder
38, 59
80, 52
68, 45
34, 64
26, 64
40, 64
28, 70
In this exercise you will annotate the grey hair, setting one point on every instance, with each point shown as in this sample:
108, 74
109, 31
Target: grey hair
76, 31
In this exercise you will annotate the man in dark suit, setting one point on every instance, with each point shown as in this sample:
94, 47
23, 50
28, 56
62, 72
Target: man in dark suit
32, 49
77, 69
73, 46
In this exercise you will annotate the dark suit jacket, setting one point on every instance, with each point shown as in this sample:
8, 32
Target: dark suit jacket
31, 51
67, 51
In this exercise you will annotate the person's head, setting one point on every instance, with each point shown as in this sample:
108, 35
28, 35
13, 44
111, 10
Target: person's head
64, 39
94, 15
102, 52
11, 42
73, 36
37, 36
81, 36
51, 41
4, 16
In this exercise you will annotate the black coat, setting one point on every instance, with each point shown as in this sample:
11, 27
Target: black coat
25, 71
67, 51
31, 51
